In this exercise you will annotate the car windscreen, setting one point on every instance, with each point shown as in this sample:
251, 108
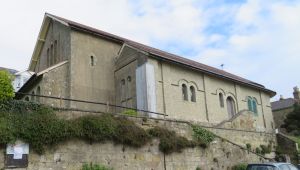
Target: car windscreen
261, 167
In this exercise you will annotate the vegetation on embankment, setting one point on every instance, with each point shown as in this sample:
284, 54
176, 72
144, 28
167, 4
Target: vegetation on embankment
38, 125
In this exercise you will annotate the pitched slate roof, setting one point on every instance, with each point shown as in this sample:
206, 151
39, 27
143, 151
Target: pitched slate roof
162, 55
282, 104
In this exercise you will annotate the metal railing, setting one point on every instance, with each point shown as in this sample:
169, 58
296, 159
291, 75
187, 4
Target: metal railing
91, 102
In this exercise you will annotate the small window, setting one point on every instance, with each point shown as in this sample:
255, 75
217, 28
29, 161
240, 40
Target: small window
48, 57
32, 96
122, 90
184, 92
92, 61
52, 55
221, 100
38, 92
193, 94
27, 98
55, 52
129, 78
128, 92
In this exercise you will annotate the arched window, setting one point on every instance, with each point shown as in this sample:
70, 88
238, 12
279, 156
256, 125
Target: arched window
221, 100
128, 93
193, 94
48, 57
252, 105
92, 61
230, 106
38, 92
122, 90
27, 98
55, 52
184, 92
52, 55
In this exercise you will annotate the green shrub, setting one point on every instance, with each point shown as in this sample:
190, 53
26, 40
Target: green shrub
265, 149
39, 126
129, 133
239, 167
198, 168
169, 141
130, 112
6, 88
202, 135
92, 166
95, 128
258, 150
248, 146
292, 121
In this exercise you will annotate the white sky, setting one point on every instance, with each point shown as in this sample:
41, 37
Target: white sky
256, 39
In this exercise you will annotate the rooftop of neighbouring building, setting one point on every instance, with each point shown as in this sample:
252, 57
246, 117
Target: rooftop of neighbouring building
283, 103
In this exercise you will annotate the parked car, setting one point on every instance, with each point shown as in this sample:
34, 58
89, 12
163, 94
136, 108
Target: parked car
272, 166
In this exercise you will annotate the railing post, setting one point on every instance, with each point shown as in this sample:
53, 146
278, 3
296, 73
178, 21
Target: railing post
107, 107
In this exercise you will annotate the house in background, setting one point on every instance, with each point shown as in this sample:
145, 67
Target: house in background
21, 78
71, 60
283, 106
11, 71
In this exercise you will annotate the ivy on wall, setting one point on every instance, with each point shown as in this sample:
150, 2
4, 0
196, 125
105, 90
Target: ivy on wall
37, 125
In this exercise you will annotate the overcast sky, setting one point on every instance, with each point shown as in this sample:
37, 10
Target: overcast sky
256, 39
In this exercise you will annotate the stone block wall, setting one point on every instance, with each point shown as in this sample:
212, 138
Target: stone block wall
73, 154
220, 154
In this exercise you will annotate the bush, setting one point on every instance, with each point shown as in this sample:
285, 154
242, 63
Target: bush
265, 149
37, 125
239, 167
202, 136
129, 133
292, 121
92, 166
95, 128
6, 88
169, 141
258, 150
248, 146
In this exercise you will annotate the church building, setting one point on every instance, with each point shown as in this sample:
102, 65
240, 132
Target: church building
74, 61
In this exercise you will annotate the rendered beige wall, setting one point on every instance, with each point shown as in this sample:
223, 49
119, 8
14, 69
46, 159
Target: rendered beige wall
169, 78
93, 83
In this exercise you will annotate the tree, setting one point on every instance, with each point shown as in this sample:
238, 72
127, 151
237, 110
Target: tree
6, 88
292, 121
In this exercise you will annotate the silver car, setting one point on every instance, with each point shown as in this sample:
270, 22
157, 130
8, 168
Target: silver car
272, 166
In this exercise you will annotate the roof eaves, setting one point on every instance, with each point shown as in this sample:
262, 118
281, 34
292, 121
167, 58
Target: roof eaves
272, 93
80, 27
